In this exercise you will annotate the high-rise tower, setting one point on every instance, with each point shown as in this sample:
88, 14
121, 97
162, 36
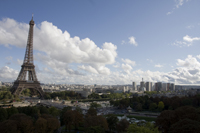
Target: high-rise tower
27, 77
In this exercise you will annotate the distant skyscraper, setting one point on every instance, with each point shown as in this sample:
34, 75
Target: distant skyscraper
148, 86
172, 87
142, 85
164, 87
168, 86
159, 86
134, 86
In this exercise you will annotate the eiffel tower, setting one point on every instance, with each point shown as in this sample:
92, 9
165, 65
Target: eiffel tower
29, 81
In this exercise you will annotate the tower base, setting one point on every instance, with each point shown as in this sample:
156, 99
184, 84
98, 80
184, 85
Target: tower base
19, 86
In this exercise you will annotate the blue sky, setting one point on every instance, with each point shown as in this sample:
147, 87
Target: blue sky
103, 42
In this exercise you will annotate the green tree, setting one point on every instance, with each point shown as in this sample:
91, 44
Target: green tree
25, 123
72, 117
138, 107
65, 109
134, 128
3, 114
152, 106
54, 111
95, 122
79, 110
95, 129
41, 125
161, 106
112, 121
185, 126
168, 118
9, 126
94, 105
11, 111
91, 112
43, 110
123, 125
52, 123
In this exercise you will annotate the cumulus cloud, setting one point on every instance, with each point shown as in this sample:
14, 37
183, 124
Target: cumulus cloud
187, 41
190, 39
126, 67
132, 41
190, 61
89, 69
128, 61
187, 71
59, 52
158, 65
8, 74
58, 46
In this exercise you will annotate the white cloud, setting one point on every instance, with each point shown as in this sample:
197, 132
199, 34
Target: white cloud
187, 41
190, 61
132, 41
187, 71
182, 44
128, 61
126, 67
178, 4
89, 69
198, 56
58, 46
59, 52
8, 74
183, 73
158, 65
168, 13
190, 39
116, 65
19, 62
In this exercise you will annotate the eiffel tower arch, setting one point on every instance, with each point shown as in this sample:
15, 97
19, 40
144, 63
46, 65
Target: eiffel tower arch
27, 78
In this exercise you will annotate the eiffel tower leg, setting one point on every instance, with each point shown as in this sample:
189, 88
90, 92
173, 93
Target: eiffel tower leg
39, 90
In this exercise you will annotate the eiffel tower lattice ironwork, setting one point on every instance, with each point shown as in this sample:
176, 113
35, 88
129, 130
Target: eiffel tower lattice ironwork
27, 77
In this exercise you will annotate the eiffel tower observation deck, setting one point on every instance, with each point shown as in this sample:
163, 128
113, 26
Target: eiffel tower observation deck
27, 78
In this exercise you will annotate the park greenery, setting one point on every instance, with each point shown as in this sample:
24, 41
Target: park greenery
110, 96
184, 119
64, 95
45, 120
6, 96
156, 104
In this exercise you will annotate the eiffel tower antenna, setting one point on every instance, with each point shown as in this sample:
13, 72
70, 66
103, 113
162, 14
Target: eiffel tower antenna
27, 77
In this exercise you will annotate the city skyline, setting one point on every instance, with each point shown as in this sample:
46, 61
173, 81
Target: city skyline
103, 42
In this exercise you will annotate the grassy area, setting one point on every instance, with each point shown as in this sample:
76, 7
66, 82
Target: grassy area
142, 118
91, 100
